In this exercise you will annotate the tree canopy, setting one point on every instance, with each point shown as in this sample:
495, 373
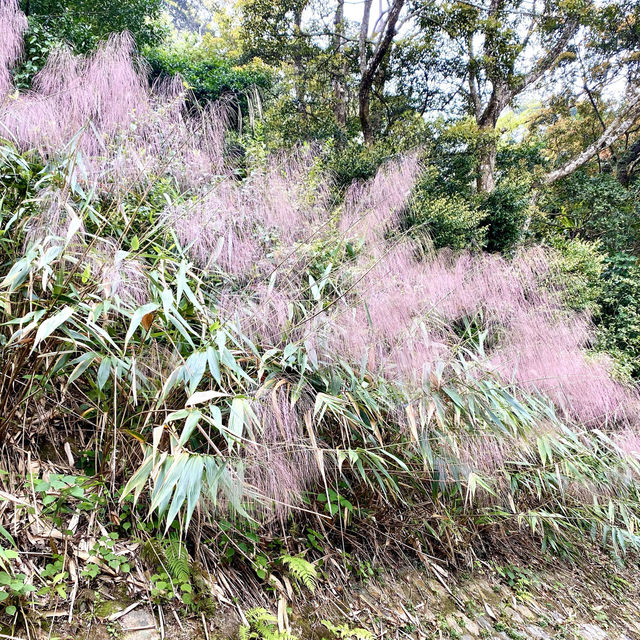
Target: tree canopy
84, 23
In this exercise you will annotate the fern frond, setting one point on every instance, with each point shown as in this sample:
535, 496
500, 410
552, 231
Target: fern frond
263, 627
303, 571
361, 634
260, 617
171, 555
345, 632
178, 561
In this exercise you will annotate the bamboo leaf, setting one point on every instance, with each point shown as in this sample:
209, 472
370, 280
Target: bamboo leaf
51, 324
137, 318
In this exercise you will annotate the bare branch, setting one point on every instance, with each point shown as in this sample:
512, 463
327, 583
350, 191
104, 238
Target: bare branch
618, 127
550, 59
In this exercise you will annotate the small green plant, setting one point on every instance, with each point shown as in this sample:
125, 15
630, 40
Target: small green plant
303, 571
173, 578
13, 586
315, 539
334, 502
55, 577
363, 569
262, 626
164, 588
113, 630
508, 631
64, 495
261, 565
517, 578
618, 585
445, 627
345, 632
104, 552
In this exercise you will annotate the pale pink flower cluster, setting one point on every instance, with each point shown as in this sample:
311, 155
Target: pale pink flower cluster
403, 312
13, 24
92, 97
629, 443
120, 275
290, 195
372, 207
101, 107
217, 230
281, 464
261, 312
403, 317
241, 227
395, 312
54, 220
57, 223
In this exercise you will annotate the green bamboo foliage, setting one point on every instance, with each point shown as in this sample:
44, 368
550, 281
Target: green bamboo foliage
179, 388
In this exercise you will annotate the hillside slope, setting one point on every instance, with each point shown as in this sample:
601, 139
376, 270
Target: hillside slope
225, 375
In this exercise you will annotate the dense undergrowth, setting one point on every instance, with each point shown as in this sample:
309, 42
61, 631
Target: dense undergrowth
243, 369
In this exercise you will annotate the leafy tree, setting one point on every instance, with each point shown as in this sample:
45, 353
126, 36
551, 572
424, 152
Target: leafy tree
620, 310
338, 67
620, 125
83, 23
447, 221
273, 32
488, 53
607, 60
372, 51
208, 72
194, 16
593, 207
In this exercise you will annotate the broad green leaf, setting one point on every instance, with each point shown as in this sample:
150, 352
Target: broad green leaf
51, 324
200, 397
103, 372
136, 319
190, 424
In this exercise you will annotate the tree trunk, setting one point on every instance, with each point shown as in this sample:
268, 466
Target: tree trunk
627, 162
366, 76
486, 181
369, 68
487, 121
505, 87
298, 69
339, 92
364, 109
618, 127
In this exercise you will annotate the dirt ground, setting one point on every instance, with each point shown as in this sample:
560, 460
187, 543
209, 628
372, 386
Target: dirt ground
514, 598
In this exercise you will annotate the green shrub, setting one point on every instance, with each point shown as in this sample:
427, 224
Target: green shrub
620, 310
506, 211
450, 221
356, 161
609, 289
577, 268
209, 75
593, 207
82, 25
